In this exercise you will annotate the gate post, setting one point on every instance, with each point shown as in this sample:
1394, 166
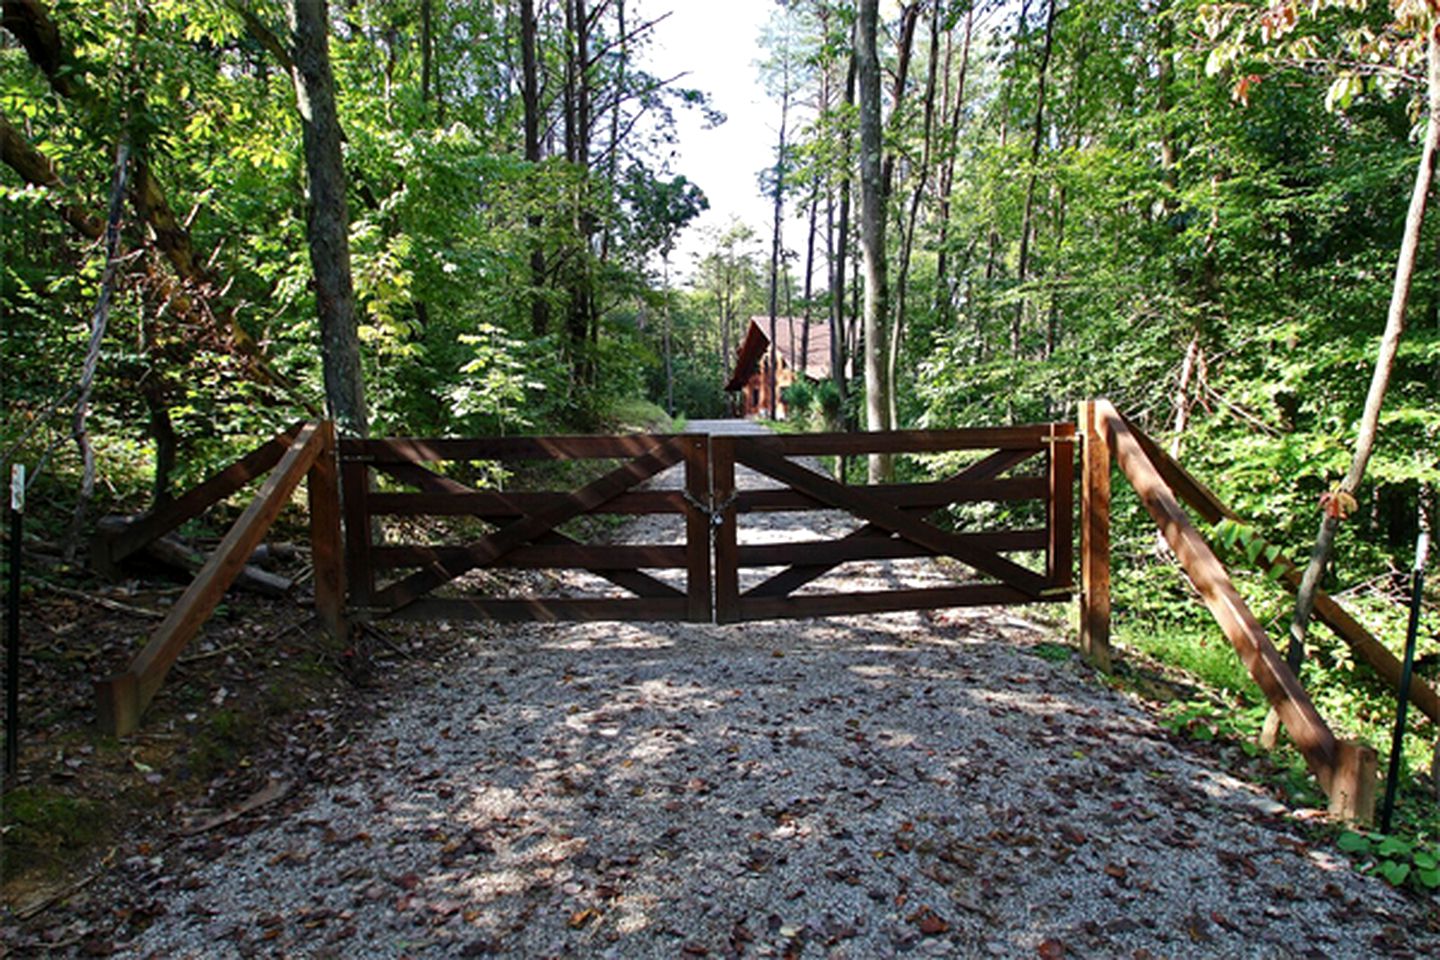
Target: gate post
727, 549
697, 527
326, 551
1094, 540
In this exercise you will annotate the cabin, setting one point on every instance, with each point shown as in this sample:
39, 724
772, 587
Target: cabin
795, 355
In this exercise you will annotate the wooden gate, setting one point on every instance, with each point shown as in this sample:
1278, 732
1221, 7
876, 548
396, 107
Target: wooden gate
897, 520
521, 529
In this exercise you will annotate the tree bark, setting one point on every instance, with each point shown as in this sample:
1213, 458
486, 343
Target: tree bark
99, 319
327, 218
907, 241
944, 301
1036, 140
872, 234
530, 97
839, 351
1369, 428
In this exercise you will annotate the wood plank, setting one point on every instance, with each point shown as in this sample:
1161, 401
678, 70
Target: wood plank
641, 584
885, 601
543, 609
195, 501
1095, 542
727, 562
528, 528
195, 605
987, 468
327, 551
936, 494
1312, 737
1060, 512
697, 528
857, 501
355, 492
878, 545
1031, 436
1327, 610
494, 504
558, 554
428, 449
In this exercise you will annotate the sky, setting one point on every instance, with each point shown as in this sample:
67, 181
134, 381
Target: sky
717, 43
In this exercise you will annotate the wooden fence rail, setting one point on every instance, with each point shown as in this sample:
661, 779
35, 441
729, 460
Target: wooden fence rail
122, 699
1346, 770
896, 520
524, 526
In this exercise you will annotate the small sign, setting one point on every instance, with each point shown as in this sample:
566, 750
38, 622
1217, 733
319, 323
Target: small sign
17, 487
1422, 548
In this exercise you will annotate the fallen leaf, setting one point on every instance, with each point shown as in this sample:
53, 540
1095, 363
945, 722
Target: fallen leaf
1051, 949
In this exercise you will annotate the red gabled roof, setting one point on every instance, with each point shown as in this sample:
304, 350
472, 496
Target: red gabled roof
757, 342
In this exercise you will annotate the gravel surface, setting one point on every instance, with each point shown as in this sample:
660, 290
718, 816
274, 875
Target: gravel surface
923, 784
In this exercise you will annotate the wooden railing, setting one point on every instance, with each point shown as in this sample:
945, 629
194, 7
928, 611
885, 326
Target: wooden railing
1346, 770
303, 450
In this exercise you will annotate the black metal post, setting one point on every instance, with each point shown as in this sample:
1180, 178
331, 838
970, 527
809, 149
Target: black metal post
12, 624
1392, 775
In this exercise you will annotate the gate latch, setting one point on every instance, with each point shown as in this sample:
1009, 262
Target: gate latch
715, 511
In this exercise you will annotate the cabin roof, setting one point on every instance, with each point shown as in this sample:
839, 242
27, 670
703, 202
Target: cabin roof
789, 338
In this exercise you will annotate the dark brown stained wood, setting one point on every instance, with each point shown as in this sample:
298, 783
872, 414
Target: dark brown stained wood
697, 528
727, 566
552, 609
1060, 512
641, 584
355, 491
1094, 541
1212, 509
907, 495
429, 450
327, 551
987, 468
856, 500
887, 601
908, 441
127, 699
525, 529
561, 553
1307, 729
146, 529
494, 504
878, 546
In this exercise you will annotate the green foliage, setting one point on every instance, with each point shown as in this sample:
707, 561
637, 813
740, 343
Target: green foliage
1400, 861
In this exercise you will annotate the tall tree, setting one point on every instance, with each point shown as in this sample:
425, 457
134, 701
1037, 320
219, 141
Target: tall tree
872, 233
328, 217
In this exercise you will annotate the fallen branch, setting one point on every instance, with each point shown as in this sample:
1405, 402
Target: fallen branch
105, 602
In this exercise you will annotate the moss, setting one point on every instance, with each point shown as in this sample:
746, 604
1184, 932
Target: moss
43, 826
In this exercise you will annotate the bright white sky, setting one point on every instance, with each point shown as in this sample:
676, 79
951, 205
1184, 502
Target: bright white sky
717, 42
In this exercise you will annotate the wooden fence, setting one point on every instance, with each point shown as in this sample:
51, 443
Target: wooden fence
305, 450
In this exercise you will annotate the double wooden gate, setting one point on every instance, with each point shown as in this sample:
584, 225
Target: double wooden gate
400, 563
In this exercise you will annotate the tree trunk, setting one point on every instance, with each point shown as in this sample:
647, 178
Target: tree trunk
327, 218
838, 339
907, 242
1036, 140
944, 301
1384, 365
872, 234
530, 96
775, 237
99, 319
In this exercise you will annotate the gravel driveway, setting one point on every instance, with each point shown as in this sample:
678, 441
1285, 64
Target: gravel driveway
923, 784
